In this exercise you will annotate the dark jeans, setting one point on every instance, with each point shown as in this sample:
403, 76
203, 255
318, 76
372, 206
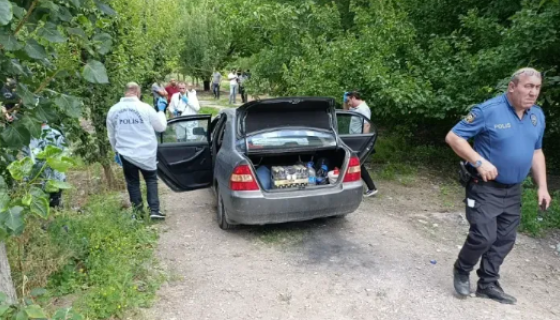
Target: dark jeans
216, 90
55, 199
367, 179
493, 214
132, 176
243, 94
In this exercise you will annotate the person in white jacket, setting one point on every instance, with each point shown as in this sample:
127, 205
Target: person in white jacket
184, 103
131, 127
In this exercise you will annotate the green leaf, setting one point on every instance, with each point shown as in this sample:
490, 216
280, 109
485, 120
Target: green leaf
51, 34
70, 105
40, 207
77, 31
16, 136
77, 3
4, 196
49, 5
37, 292
26, 200
3, 297
21, 168
13, 219
37, 192
21, 315
105, 41
28, 97
32, 125
19, 12
3, 308
35, 50
15, 67
45, 114
64, 14
6, 13
49, 152
95, 72
35, 312
60, 164
55, 185
9, 41
105, 8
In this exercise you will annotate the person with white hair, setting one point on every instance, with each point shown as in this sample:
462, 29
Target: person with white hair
508, 138
131, 127
184, 103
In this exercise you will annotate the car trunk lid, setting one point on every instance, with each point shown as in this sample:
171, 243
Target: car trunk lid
304, 112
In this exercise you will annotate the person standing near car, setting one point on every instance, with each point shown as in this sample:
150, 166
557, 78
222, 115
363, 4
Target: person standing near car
508, 132
171, 89
233, 85
353, 102
131, 127
216, 82
158, 91
184, 103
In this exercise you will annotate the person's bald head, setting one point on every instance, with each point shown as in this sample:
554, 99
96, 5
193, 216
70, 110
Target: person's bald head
133, 89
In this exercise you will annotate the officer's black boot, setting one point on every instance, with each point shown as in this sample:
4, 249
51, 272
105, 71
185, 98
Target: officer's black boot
462, 283
495, 292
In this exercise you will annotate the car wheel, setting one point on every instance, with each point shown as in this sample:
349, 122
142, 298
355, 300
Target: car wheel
221, 214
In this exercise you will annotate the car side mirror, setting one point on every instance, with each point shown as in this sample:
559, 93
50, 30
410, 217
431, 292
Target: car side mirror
199, 131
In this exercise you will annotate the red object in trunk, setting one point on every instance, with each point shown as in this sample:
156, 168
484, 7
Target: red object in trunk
354, 172
242, 179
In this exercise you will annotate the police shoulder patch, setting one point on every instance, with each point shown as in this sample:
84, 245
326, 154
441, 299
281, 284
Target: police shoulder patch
534, 119
470, 118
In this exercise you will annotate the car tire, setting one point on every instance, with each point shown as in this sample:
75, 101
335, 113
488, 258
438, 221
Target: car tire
221, 216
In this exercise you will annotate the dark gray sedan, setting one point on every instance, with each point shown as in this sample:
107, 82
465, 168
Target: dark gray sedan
230, 152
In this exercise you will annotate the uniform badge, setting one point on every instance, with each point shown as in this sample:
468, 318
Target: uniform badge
534, 119
470, 118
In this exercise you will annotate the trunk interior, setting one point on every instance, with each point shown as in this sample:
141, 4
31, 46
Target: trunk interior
265, 164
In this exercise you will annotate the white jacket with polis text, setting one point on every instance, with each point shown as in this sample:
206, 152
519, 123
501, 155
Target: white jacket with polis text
131, 127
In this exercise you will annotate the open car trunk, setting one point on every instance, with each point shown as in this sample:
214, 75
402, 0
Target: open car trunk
289, 171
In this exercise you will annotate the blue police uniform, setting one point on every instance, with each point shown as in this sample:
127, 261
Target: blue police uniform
493, 208
502, 138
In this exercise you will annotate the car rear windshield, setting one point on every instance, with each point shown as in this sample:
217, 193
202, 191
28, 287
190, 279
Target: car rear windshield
290, 139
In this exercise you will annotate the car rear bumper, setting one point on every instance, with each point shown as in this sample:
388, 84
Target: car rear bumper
257, 208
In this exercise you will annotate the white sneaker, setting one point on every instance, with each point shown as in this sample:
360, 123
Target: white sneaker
370, 193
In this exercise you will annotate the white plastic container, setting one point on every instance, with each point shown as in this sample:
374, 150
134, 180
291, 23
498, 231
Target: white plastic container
333, 176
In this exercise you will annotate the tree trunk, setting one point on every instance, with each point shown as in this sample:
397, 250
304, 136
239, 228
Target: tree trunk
109, 176
6, 284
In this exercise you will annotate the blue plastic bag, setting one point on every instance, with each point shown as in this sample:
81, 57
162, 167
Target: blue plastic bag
263, 174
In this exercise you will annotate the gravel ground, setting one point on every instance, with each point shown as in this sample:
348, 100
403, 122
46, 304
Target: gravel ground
391, 259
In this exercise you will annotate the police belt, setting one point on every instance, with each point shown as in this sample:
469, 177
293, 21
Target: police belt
475, 178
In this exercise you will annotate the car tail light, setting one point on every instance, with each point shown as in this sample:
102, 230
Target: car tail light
242, 179
354, 172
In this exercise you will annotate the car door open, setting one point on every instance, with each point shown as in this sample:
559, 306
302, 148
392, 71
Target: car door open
357, 132
184, 154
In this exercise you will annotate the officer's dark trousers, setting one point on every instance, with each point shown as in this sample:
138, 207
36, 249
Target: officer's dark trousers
367, 178
132, 177
493, 214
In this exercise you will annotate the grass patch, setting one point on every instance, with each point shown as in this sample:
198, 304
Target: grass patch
98, 260
209, 110
280, 236
534, 221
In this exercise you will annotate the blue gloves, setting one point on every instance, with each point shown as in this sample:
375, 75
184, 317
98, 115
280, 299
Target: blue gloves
118, 159
185, 99
161, 104
345, 97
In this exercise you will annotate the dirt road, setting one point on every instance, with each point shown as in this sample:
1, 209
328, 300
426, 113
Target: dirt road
373, 264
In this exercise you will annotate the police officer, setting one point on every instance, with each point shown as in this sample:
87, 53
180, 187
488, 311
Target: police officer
131, 127
508, 132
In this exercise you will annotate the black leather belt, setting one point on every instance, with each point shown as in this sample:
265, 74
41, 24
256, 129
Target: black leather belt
478, 180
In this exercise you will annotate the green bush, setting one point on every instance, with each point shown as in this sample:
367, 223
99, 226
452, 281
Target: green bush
106, 263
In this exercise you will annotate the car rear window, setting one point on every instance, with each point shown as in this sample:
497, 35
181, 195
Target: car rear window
290, 139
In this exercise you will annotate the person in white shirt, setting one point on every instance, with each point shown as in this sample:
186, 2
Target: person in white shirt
233, 84
355, 103
184, 103
131, 128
